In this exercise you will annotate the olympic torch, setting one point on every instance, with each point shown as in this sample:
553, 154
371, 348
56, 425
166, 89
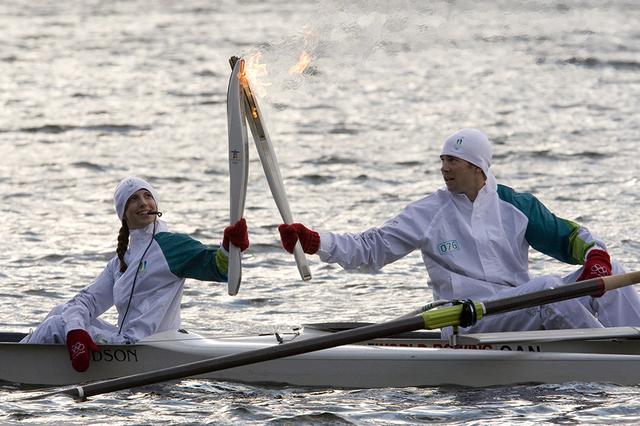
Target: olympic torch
268, 159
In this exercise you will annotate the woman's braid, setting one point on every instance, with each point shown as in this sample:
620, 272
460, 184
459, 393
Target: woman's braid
123, 244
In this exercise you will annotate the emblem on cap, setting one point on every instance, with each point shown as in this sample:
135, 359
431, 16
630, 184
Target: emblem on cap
458, 144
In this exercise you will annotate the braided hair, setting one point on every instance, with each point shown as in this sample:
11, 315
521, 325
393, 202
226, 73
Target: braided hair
123, 244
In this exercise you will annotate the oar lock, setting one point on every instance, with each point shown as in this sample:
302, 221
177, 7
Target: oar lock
468, 316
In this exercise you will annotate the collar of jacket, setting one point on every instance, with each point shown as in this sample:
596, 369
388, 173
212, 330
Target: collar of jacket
143, 234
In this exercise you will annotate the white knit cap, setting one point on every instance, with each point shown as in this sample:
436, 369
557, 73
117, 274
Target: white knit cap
471, 145
126, 188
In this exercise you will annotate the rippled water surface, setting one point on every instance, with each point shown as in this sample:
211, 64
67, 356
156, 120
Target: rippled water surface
94, 91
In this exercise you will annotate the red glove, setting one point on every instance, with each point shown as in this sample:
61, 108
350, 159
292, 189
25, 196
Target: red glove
237, 234
597, 264
80, 345
290, 234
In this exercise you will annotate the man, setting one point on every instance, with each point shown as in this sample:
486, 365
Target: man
474, 236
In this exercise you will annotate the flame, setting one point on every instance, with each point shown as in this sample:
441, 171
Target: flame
303, 63
255, 72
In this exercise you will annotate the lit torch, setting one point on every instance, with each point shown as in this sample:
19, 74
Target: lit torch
268, 158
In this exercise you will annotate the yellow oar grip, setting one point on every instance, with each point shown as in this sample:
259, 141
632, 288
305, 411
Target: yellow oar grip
449, 316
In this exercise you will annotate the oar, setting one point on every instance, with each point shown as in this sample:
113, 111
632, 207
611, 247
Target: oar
436, 318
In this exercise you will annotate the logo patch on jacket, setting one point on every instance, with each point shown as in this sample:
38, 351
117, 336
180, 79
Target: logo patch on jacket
448, 246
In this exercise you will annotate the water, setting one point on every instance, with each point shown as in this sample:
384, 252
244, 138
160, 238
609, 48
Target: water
94, 91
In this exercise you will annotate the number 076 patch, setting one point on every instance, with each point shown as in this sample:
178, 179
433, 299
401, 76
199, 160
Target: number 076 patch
448, 246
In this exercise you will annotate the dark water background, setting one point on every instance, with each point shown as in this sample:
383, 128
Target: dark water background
94, 91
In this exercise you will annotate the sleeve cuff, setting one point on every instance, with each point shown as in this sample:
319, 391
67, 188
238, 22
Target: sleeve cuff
594, 247
73, 325
327, 244
222, 261
223, 250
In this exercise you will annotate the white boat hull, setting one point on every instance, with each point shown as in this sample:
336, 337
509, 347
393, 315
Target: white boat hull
384, 363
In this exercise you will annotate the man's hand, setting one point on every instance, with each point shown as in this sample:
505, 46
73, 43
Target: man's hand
80, 345
597, 264
237, 234
290, 234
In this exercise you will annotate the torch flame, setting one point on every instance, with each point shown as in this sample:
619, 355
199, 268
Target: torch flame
255, 72
303, 63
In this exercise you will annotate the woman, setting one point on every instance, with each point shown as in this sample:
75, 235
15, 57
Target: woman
144, 280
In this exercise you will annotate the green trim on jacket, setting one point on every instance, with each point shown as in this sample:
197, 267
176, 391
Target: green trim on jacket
189, 258
546, 232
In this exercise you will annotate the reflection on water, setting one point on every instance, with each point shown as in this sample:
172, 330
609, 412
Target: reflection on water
94, 91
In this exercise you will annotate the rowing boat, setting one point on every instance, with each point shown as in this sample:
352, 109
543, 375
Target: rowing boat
364, 355
418, 358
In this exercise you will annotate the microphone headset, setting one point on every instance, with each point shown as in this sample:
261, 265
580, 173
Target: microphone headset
135, 277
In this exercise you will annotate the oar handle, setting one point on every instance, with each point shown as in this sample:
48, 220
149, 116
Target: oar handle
594, 287
451, 316
617, 281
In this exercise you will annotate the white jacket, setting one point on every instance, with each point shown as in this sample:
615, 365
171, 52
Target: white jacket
470, 249
152, 304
